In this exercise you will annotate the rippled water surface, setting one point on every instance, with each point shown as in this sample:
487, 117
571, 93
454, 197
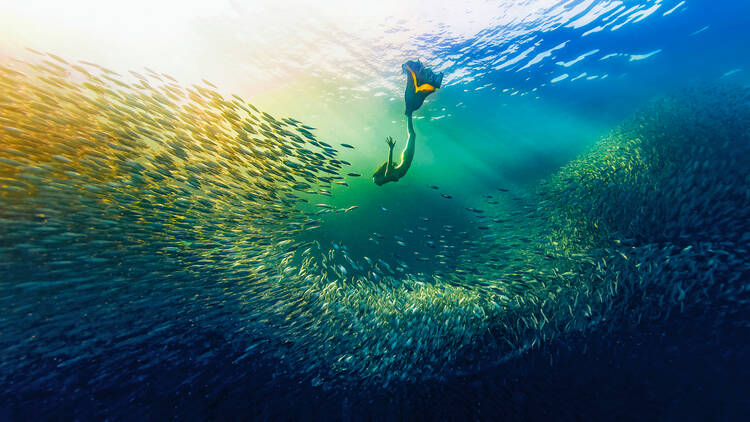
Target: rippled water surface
189, 227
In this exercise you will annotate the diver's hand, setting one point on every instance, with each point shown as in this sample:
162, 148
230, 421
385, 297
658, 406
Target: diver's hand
390, 142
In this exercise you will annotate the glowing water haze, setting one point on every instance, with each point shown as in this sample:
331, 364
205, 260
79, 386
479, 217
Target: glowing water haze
161, 257
319, 61
528, 84
197, 39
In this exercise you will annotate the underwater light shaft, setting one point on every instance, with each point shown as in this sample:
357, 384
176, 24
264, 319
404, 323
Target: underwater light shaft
190, 229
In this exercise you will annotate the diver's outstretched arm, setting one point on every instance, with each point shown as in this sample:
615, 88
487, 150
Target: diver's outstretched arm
389, 164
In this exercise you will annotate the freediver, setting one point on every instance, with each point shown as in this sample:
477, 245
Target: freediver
420, 82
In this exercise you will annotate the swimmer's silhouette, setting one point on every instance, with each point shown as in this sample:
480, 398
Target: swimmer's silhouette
420, 82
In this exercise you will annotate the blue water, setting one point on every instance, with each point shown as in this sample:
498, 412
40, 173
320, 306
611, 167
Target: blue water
570, 243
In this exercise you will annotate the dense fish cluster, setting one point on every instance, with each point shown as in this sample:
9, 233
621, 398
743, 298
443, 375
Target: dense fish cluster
664, 203
139, 216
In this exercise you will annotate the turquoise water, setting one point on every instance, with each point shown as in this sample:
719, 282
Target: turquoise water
184, 235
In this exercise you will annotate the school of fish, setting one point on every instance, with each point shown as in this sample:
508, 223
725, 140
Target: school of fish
132, 207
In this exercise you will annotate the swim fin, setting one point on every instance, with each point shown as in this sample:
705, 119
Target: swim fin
420, 82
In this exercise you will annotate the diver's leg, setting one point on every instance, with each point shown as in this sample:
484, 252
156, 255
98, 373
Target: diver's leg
407, 155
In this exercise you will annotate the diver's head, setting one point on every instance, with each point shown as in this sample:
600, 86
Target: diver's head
379, 177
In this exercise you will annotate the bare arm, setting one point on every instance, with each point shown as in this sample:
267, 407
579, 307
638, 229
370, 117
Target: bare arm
388, 171
389, 163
